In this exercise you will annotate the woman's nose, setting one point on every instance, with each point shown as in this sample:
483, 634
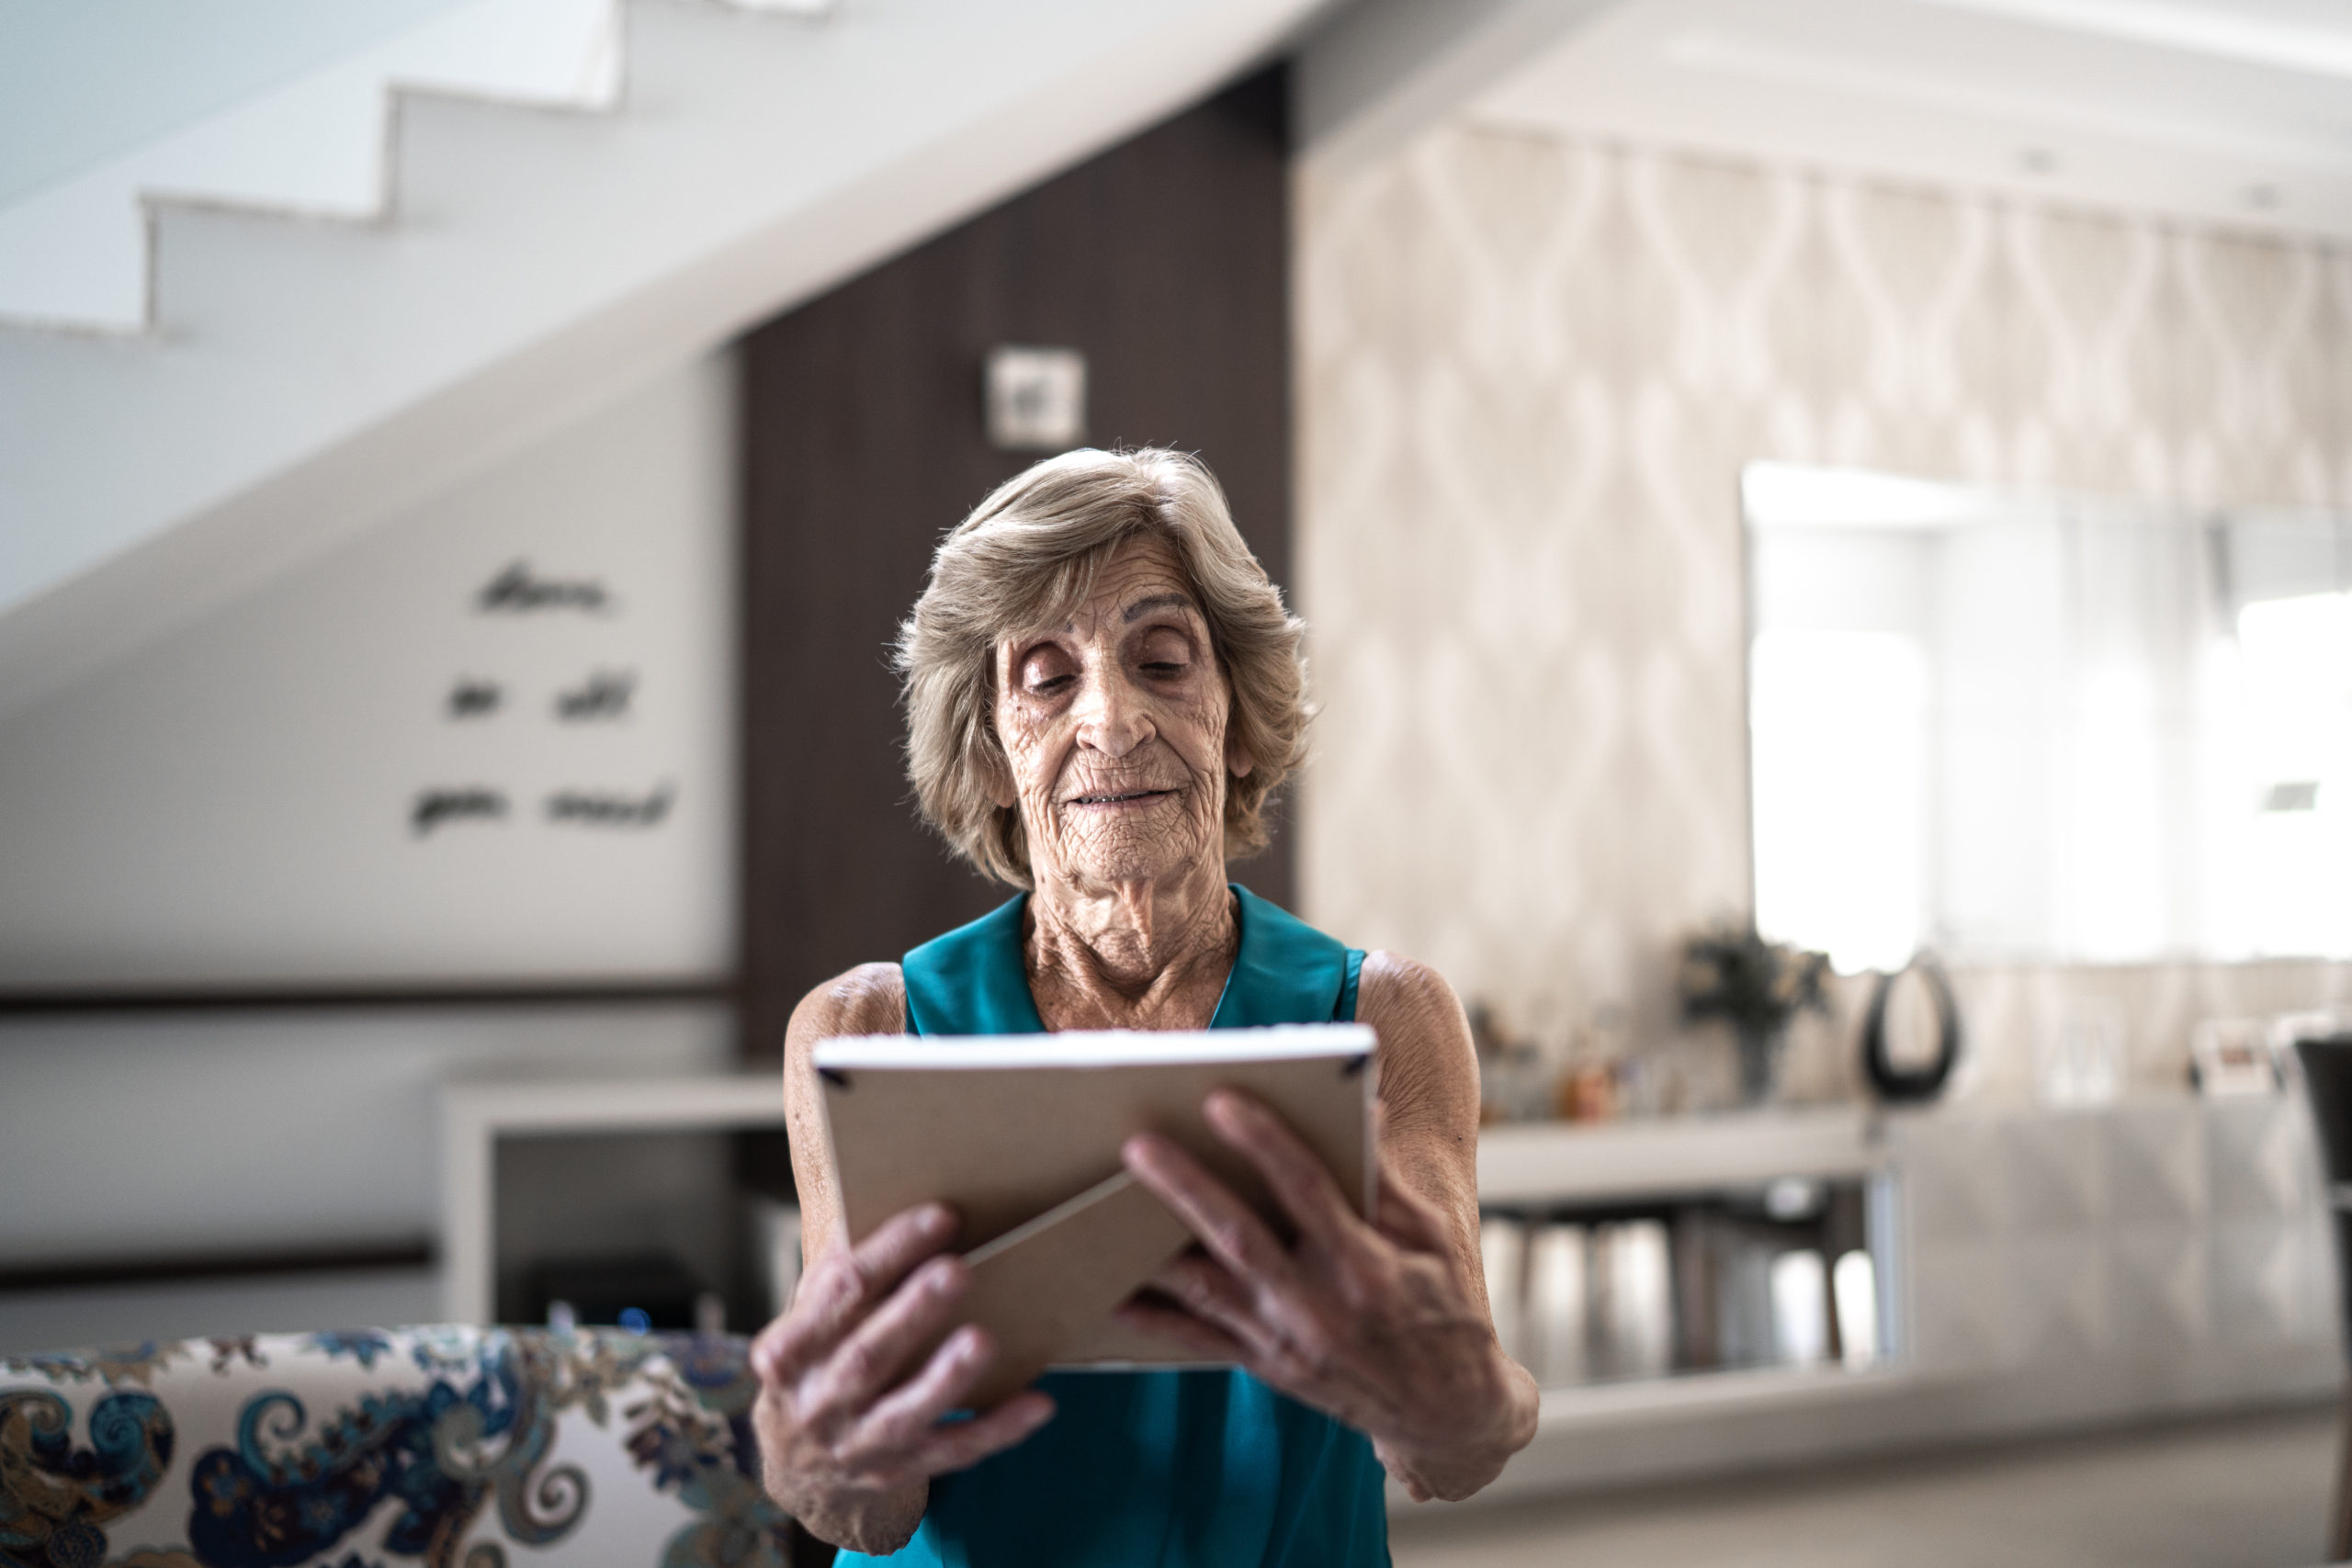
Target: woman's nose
1111, 716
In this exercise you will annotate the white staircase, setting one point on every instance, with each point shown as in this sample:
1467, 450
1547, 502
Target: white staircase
286, 370
73, 254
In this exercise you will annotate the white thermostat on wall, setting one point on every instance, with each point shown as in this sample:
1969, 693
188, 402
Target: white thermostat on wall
1034, 399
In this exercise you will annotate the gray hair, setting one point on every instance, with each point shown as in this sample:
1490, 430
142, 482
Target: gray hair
1027, 556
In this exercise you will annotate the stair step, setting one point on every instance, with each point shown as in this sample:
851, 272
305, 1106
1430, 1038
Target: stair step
308, 370
76, 255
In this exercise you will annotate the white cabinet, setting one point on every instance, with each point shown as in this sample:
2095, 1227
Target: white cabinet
2040, 1270
2036, 1269
476, 1117
2164, 1231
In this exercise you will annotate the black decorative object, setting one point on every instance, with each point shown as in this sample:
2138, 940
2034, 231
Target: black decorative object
1899, 1086
1730, 972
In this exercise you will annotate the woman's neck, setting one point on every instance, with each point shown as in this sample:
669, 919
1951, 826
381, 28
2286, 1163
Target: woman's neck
1131, 955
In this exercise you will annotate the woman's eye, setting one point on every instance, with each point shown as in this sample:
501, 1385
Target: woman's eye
1163, 656
1045, 670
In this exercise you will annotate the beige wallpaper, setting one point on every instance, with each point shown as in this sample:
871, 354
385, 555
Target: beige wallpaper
1529, 373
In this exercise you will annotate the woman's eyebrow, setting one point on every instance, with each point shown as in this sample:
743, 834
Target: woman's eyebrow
1142, 608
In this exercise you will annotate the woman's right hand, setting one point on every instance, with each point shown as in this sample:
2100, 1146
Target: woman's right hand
849, 1410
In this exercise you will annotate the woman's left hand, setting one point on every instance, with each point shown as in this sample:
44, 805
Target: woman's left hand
1372, 1323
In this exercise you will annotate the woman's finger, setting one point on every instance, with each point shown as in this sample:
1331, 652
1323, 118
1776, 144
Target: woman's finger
767, 1351
846, 1284
1205, 1340
962, 1444
1205, 1289
871, 1358
900, 1420
1209, 1209
1296, 1177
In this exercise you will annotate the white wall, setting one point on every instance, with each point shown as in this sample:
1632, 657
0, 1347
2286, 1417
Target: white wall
234, 807
134, 1136
172, 1135
235, 803
1531, 371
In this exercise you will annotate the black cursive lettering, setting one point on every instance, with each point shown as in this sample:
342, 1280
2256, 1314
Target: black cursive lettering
603, 696
593, 808
470, 698
435, 807
516, 591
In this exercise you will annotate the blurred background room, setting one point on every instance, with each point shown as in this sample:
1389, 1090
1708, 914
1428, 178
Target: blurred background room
1827, 531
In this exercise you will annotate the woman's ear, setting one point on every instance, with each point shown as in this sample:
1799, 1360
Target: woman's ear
995, 763
1237, 760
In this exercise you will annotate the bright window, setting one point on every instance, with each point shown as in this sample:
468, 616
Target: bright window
2015, 727
1840, 736
2295, 666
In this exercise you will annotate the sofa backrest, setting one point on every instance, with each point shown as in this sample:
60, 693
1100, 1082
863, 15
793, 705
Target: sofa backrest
443, 1446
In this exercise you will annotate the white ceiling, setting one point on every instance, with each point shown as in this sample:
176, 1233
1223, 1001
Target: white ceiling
2238, 111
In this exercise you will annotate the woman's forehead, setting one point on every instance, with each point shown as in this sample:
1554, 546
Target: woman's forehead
1139, 564
1142, 575
1145, 565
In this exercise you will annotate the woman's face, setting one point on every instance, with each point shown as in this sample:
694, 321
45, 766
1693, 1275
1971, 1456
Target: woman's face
1115, 729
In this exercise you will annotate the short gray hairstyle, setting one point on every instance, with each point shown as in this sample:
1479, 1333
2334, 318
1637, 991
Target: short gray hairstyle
1027, 556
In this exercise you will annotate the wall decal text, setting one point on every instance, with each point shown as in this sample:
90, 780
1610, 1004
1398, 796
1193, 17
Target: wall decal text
435, 806
516, 591
603, 696
470, 698
601, 809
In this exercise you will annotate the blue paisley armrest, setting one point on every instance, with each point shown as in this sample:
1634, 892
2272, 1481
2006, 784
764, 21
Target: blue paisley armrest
439, 1445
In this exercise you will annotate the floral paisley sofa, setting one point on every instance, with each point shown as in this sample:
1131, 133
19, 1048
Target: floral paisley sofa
447, 1447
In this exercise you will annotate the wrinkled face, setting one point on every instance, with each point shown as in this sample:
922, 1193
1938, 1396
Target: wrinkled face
1116, 727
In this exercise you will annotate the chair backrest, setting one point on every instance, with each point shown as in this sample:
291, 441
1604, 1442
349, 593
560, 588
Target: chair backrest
447, 1445
2327, 1078
2327, 1062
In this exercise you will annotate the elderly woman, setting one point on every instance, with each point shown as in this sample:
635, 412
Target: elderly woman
1103, 690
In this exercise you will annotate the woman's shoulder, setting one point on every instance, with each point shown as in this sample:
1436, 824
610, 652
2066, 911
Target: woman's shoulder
1428, 1067
868, 1000
1393, 989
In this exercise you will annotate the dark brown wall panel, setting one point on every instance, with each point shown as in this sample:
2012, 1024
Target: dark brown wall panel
1165, 260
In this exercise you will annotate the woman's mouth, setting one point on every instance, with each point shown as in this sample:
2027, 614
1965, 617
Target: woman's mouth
1120, 798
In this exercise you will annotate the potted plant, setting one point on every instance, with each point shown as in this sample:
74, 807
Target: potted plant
1730, 972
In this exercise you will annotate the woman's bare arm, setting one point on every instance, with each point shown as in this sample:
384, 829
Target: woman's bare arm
855, 1377
868, 1000
1429, 1096
1382, 1322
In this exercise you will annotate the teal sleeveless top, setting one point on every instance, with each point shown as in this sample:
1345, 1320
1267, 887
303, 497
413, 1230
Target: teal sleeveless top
1153, 1468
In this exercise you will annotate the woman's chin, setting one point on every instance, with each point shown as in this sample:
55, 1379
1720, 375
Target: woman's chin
1119, 859
1129, 870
